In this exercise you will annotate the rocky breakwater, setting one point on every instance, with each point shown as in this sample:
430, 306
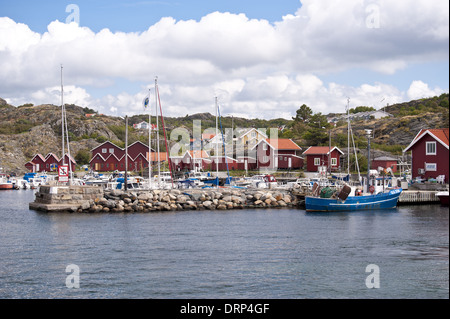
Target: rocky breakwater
65, 198
147, 201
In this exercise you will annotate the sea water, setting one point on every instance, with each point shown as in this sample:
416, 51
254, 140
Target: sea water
251, 253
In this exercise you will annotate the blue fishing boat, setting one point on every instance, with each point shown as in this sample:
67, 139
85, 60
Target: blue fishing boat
386, 200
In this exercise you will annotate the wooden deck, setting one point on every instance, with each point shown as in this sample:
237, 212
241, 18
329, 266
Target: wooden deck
418, 197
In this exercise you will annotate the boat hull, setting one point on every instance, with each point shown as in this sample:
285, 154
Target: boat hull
443, 197
353, 203
6, 186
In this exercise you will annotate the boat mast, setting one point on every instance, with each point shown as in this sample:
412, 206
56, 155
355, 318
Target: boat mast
126, 152
223, 143
165, 138
65, 130
368, 135
217, 148
62, 116
149, 142
157, 133
348, 138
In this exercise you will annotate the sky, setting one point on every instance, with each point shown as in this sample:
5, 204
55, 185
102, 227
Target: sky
260, 58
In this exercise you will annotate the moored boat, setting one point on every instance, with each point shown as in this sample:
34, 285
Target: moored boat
5, 183
384, 200
443, 197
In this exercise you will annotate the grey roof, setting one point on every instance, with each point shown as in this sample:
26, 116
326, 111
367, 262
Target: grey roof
385, 158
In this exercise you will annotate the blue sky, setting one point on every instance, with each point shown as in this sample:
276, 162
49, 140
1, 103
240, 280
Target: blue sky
263, 63
136, 15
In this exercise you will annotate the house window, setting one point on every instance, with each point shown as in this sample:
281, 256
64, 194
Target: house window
280, 158
430, 167
265, 159
431, 148
334, 162
264, 147
285, 158
253, 134
104, 150
111, 150
317, 161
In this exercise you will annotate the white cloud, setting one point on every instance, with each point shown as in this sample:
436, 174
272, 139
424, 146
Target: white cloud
256, 68
420, 90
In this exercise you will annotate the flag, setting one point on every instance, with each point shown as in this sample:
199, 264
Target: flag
146, 102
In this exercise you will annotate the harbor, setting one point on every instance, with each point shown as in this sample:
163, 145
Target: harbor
96, 199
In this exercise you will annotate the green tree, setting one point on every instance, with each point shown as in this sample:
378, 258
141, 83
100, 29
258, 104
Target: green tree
360, 109
304, 113
83, 157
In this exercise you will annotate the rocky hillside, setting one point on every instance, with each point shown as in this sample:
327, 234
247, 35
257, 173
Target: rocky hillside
26, 130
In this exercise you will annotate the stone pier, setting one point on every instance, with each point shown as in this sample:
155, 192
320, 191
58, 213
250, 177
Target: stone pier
95, 199
65, 198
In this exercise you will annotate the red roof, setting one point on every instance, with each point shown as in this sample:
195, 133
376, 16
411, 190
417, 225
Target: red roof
319, 150
283, 144
198, 154
440, 134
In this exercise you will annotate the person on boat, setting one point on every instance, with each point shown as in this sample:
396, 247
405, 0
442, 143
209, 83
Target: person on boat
358, 192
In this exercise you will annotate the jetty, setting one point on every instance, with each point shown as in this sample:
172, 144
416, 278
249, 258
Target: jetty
94, 199
418, 197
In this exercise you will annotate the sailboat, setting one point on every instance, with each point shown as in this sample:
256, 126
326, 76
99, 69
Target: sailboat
163, 180
371, 197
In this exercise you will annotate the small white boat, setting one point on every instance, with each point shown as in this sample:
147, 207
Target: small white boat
20, 183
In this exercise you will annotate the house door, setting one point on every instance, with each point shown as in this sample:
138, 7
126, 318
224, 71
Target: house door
290, 162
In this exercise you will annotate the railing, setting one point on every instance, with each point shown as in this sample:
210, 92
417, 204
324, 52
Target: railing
418, 197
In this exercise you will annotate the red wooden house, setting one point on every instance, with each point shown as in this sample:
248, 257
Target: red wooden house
107, 148
385, 162
317, 157
186, 161
429, 152
278, 153
223, 163
39, 163
246, 163
109, 157
68, 160
51, 162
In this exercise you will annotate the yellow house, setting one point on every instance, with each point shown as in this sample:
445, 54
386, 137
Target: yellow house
251, 137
